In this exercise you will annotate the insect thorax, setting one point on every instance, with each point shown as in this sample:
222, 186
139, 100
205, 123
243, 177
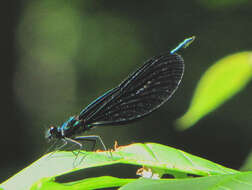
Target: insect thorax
72, 127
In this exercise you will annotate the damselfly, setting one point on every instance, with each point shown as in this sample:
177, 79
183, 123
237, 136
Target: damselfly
137, 96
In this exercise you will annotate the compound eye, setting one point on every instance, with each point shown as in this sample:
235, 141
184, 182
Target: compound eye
52, 129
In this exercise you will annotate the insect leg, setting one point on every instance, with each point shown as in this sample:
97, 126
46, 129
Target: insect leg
57, 148
74, 141
92, 138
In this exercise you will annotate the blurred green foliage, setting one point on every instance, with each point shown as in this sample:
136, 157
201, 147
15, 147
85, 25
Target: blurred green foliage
223, 3
247, 165
57, 43
220, 82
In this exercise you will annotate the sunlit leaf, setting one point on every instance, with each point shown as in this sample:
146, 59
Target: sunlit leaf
64, 165
241, 181
220, 82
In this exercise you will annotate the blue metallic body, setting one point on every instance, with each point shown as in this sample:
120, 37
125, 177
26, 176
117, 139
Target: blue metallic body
183, 44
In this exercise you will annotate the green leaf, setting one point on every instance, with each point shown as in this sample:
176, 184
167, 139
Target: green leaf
220, 82
159, 158
247, 165
241, 181
89, 183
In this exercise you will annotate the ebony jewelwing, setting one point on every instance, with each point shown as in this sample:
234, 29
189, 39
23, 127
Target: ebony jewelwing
138, 95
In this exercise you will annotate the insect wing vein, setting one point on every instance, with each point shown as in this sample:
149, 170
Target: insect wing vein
142, 92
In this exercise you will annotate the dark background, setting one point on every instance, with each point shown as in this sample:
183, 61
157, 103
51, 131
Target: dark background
57, 56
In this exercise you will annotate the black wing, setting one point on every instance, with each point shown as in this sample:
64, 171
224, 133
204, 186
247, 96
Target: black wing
142, 92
